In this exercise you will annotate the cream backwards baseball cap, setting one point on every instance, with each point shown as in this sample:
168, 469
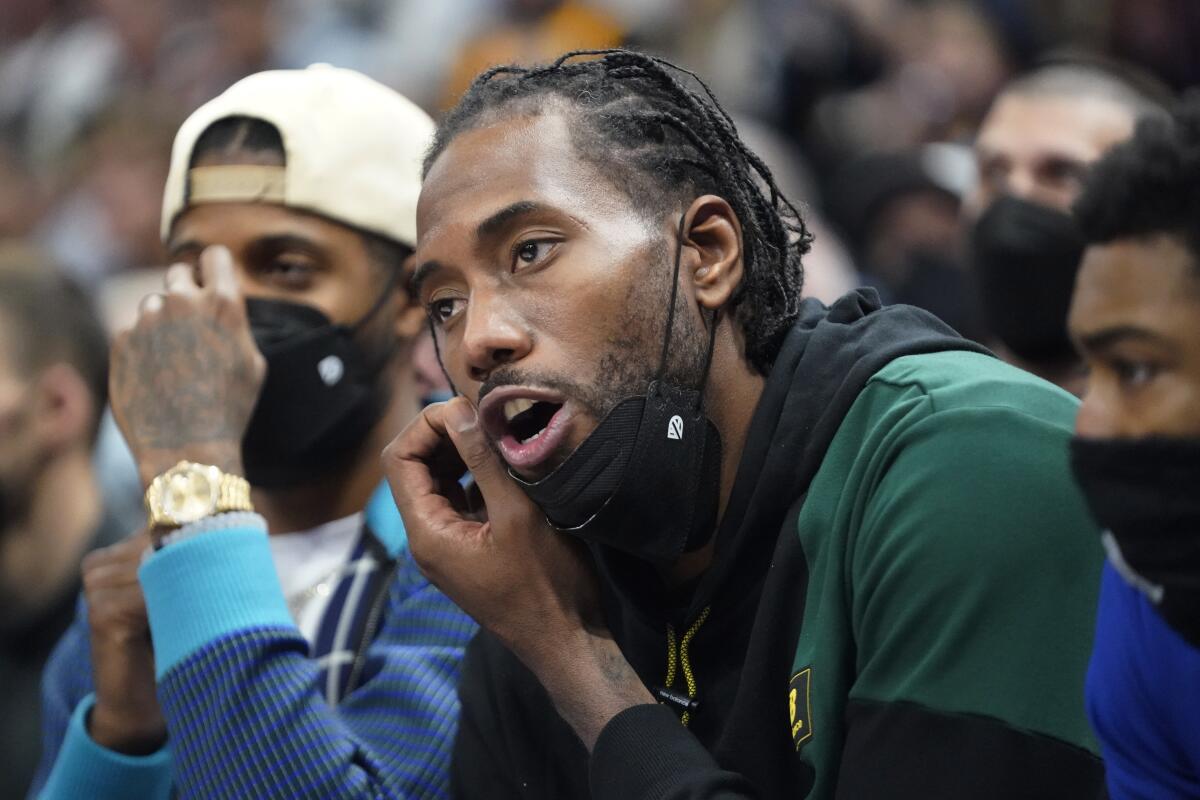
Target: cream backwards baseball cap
353, 151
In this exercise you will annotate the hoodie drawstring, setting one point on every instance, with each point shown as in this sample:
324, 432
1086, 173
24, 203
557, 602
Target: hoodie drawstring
674, 660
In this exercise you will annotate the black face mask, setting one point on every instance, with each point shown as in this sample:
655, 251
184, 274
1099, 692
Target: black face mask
1144, 492
323, 393
1026, 256
647, 480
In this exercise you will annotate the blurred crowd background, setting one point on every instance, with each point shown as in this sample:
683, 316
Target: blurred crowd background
865, 109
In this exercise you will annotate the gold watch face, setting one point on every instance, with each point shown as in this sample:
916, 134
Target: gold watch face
190, 493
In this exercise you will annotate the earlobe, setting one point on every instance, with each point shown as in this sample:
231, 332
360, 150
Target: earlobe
714, 236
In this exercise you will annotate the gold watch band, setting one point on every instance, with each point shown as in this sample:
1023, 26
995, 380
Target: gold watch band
234, 494
188, 492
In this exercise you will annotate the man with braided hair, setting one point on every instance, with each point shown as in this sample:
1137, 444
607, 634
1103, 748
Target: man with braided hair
736, 544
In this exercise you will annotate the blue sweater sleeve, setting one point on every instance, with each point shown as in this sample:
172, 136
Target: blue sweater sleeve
73, 765
1143, 698
239, 693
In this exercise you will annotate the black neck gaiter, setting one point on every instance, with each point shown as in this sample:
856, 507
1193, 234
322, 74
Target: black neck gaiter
1144, 493
1026, 256
322, 396
647, 480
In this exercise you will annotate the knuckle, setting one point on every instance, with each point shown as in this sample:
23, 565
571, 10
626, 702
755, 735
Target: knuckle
475, 451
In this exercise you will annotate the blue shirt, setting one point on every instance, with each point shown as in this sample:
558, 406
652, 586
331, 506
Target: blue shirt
1143, 697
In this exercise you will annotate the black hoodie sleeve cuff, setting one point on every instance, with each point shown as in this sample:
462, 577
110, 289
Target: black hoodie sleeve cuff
644, 752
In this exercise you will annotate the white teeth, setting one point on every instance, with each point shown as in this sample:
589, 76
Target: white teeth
512, 408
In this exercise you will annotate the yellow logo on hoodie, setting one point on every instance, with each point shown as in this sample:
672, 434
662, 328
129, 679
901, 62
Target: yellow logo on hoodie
800, 706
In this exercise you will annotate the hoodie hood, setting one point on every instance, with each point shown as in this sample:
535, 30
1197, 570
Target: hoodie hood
825, 361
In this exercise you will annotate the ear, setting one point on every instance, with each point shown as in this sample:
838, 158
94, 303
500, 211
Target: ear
714, 235
410, 317
63, 408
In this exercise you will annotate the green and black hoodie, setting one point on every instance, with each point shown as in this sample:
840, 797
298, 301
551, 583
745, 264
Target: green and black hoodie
901, 603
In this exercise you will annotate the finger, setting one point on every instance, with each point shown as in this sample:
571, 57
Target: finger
111, 573
436, 527
181, 279
489, 472
415, 460
218, 273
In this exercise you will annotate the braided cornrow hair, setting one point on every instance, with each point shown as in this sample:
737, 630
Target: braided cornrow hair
663, 143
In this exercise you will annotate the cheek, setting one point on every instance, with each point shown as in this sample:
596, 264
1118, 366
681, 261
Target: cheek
1168, 407
1174, 407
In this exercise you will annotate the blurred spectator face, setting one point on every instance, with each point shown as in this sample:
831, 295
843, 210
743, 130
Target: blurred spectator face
1038, 147
48, 417
1136, 319
19, 453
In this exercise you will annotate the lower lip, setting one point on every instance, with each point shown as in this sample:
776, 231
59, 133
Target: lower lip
528, 455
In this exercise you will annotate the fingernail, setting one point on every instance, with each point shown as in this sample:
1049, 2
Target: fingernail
152, 303
221, 253
460, 415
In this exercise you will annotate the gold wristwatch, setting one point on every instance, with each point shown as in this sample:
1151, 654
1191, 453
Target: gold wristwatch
188, 492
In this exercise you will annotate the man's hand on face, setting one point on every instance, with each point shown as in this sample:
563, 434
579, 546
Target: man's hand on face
186, 377
126, 717
528, 584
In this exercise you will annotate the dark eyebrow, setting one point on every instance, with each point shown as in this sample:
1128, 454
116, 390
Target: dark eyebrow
497, 222
186, 246
1108, 337
421, 274
284, 241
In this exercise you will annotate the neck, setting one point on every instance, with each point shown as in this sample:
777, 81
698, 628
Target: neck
39, 557
733, 391
340, 495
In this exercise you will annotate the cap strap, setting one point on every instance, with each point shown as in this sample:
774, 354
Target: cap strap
233, 183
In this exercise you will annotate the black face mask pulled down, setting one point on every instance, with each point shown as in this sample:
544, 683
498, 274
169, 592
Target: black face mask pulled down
322, 396
1143, 491
1026, 256
646, 481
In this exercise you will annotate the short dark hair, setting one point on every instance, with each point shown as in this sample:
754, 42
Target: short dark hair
47, 319
659, 134
1149, 184
241, 134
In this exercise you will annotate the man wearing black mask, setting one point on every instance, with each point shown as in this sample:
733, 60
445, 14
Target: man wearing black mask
1136, 319
1033, 150
256, 392
737, 544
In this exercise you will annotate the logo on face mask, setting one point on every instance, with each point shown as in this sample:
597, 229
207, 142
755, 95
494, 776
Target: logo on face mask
331, 370
675, 427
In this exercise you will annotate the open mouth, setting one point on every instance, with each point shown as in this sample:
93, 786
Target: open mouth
527, 419
527, 425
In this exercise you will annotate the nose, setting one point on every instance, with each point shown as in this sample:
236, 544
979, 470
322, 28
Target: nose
494, 335
1096, 418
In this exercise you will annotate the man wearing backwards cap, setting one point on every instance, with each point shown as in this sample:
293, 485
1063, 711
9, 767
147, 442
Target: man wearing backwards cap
256, 393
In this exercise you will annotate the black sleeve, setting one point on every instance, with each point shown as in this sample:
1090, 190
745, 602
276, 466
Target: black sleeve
897, 751
511, 743
644, 752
